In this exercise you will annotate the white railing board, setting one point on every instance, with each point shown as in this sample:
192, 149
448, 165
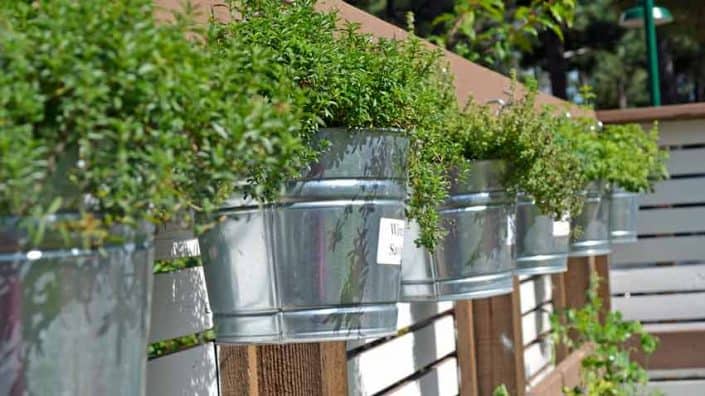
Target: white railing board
658, 279
535, 292
678, 388
674, 327
684, 132
688, 306
179, 305
659, 250
676, 191
410, 314
191, 372
536, 357
441, 380
383, 365
536, 323
677, 374
671, 220
686, 162
172, 241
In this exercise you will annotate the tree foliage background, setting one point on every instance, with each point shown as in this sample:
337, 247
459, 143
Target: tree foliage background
565, 44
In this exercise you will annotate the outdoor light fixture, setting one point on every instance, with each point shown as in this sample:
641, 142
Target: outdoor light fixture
648, 16
634, 17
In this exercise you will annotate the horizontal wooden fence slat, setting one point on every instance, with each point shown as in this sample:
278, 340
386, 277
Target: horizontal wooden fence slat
658, 279
676, 191
441, 380
179, 305
661, 307
410, 314
535, 324
686, 162
685, 132
190, 372
678, 388
536, 357
383, 365
671, 220
659, 250
535, 292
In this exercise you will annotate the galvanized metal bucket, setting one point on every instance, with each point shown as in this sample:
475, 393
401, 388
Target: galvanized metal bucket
324, 262
74, 321
475, 260
624, 210
542, 243
590, 228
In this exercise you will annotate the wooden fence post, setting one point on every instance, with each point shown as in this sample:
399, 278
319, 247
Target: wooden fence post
293, 369
570, 287
499, 345
465, 348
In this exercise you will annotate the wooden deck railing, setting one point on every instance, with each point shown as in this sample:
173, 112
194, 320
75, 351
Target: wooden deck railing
660, 280
466, 348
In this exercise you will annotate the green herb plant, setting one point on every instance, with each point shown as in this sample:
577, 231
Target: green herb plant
625, 155
356, 81
523, 136
110, 114
609, 369
633, 158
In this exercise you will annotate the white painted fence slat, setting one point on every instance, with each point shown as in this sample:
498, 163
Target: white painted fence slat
191, 372
536, 357
684, 162
679, 388
671, 327
664, 307
536, 323
441, 380
172, 241
179, 305
535, 292
676, 191
658, 279
671, 220
380, 367
410, 314
684, 132
658, 250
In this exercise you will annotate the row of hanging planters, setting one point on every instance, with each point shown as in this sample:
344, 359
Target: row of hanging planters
328, 175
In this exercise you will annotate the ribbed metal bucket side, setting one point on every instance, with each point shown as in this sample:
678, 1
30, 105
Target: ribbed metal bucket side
475, 259
542, 243
624, 209
590, 234
75, 321
316, 265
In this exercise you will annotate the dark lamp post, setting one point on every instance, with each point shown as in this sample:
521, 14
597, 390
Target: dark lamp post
648, 16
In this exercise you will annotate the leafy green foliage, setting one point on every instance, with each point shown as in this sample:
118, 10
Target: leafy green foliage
624, 155
98, 100
492, 32
353, 80
501, 391
608, 370
524, 137
634, 160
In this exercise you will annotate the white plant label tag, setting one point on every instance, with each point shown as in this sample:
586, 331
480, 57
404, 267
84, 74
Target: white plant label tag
510, 230
391, 241
561, 228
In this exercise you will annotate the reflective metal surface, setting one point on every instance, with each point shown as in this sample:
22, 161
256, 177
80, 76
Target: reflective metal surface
590, 229
542, 244
475, 260
624, 210
305, 268
73, 321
